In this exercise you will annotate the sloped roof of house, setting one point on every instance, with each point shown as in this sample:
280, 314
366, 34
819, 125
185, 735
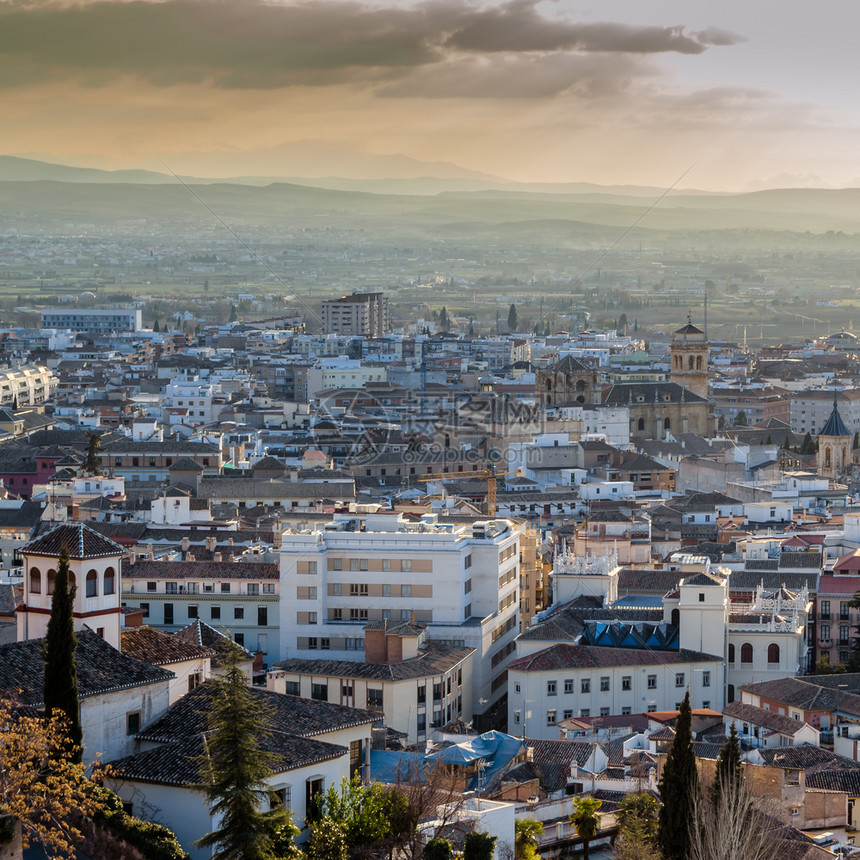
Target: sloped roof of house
290, 715
160, 649
181, 762
101, 669
564, 656
80, 540
771, 720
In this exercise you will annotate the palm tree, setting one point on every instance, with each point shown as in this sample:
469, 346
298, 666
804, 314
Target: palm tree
585, 820
526, 832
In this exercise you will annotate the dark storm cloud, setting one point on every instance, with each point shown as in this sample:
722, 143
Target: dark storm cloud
512, 49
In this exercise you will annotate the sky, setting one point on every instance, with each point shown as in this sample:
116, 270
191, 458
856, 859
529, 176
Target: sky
721, 95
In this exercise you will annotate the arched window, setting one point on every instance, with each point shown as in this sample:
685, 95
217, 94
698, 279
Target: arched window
773, 653
549, 385
667, 424
731, 653
109, 581
92, 584
827, 456
690, 363
52, 575
698, 362
746, 653
730, 695
580, 385
676, 616
640, 424
35, 580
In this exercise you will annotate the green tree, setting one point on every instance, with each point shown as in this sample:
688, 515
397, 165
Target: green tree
367, 813
586, 820
60, 690
729, 769
93, 465
678, 789
741, 419
856, 443
526, 833
512, 317
622, 323
444, 322
156, 326
479, 846
236, 770
438, 849
809, 445
638, 814
233, 314
824, 667
327, 841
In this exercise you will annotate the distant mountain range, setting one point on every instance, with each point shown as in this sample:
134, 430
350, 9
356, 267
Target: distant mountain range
36, 194
439, 177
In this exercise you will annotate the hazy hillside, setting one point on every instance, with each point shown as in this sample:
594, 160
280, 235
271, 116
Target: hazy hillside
282, 205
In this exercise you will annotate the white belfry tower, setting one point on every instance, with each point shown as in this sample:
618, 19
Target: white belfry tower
94, 568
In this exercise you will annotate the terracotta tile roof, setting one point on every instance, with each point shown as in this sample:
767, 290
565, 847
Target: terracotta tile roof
435, 659
197, 570
808, 758
160, 649
806, 694
559, 752
220, 644
289, 714
760, 717
81, 541
563, 656
101, 669
180, 762
836, 780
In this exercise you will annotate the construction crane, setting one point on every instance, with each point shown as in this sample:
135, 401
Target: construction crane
488, 475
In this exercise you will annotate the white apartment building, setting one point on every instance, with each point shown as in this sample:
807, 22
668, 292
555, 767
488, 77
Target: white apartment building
92, 320
341, 372
359, 314
461, 581
27, 385
237, 598
193, 402
811, 409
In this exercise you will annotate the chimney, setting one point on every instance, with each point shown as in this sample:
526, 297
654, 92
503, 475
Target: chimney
186, 543
211, 543
216, 556
150, 553
411, 617
189, 557
132, 557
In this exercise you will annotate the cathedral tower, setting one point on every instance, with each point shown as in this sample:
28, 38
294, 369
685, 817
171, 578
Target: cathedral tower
688, 355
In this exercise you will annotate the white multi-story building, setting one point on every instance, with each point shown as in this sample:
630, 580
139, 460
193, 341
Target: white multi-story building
359, 314
27, 385
193, 402
461, 581
811, 409
93, 320
341, 372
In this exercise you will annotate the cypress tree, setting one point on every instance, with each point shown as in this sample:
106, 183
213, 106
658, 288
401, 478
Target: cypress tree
237, 769
92, 465
512, 318
728, 771
678, 788
60, 691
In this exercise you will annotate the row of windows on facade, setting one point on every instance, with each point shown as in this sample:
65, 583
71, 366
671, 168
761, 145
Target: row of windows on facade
844, 633
360, 615
567, 713
151, 461
91, 582
252, 588
361, 564
844, 610
360, 589
773, 653
214, 613
320, 691
375, 701
323, 643
605, 683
